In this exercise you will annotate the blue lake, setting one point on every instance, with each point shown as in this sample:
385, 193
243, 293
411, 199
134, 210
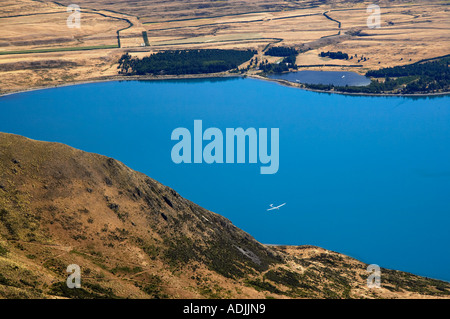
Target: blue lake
337, 78
365, 176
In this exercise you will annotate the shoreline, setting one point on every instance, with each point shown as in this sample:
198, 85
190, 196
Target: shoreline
299, 86
214, 75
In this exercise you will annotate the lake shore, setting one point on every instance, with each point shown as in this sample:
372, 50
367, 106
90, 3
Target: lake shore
335, 134
301, 86
213, 75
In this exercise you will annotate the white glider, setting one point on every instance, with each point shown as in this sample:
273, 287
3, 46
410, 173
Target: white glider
275, 207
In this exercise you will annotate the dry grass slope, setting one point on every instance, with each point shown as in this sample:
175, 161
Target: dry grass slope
136, 238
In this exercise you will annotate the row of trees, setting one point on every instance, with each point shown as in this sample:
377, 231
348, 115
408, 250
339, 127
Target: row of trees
273, 67
334, 55
437, 69
176, 62
421, 77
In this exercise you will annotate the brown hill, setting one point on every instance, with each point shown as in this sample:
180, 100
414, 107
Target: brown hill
135, 238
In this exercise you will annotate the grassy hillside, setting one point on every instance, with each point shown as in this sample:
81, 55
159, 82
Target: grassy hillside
136, 238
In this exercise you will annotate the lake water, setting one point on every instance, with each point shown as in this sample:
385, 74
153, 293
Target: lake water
365, 176
337, 78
